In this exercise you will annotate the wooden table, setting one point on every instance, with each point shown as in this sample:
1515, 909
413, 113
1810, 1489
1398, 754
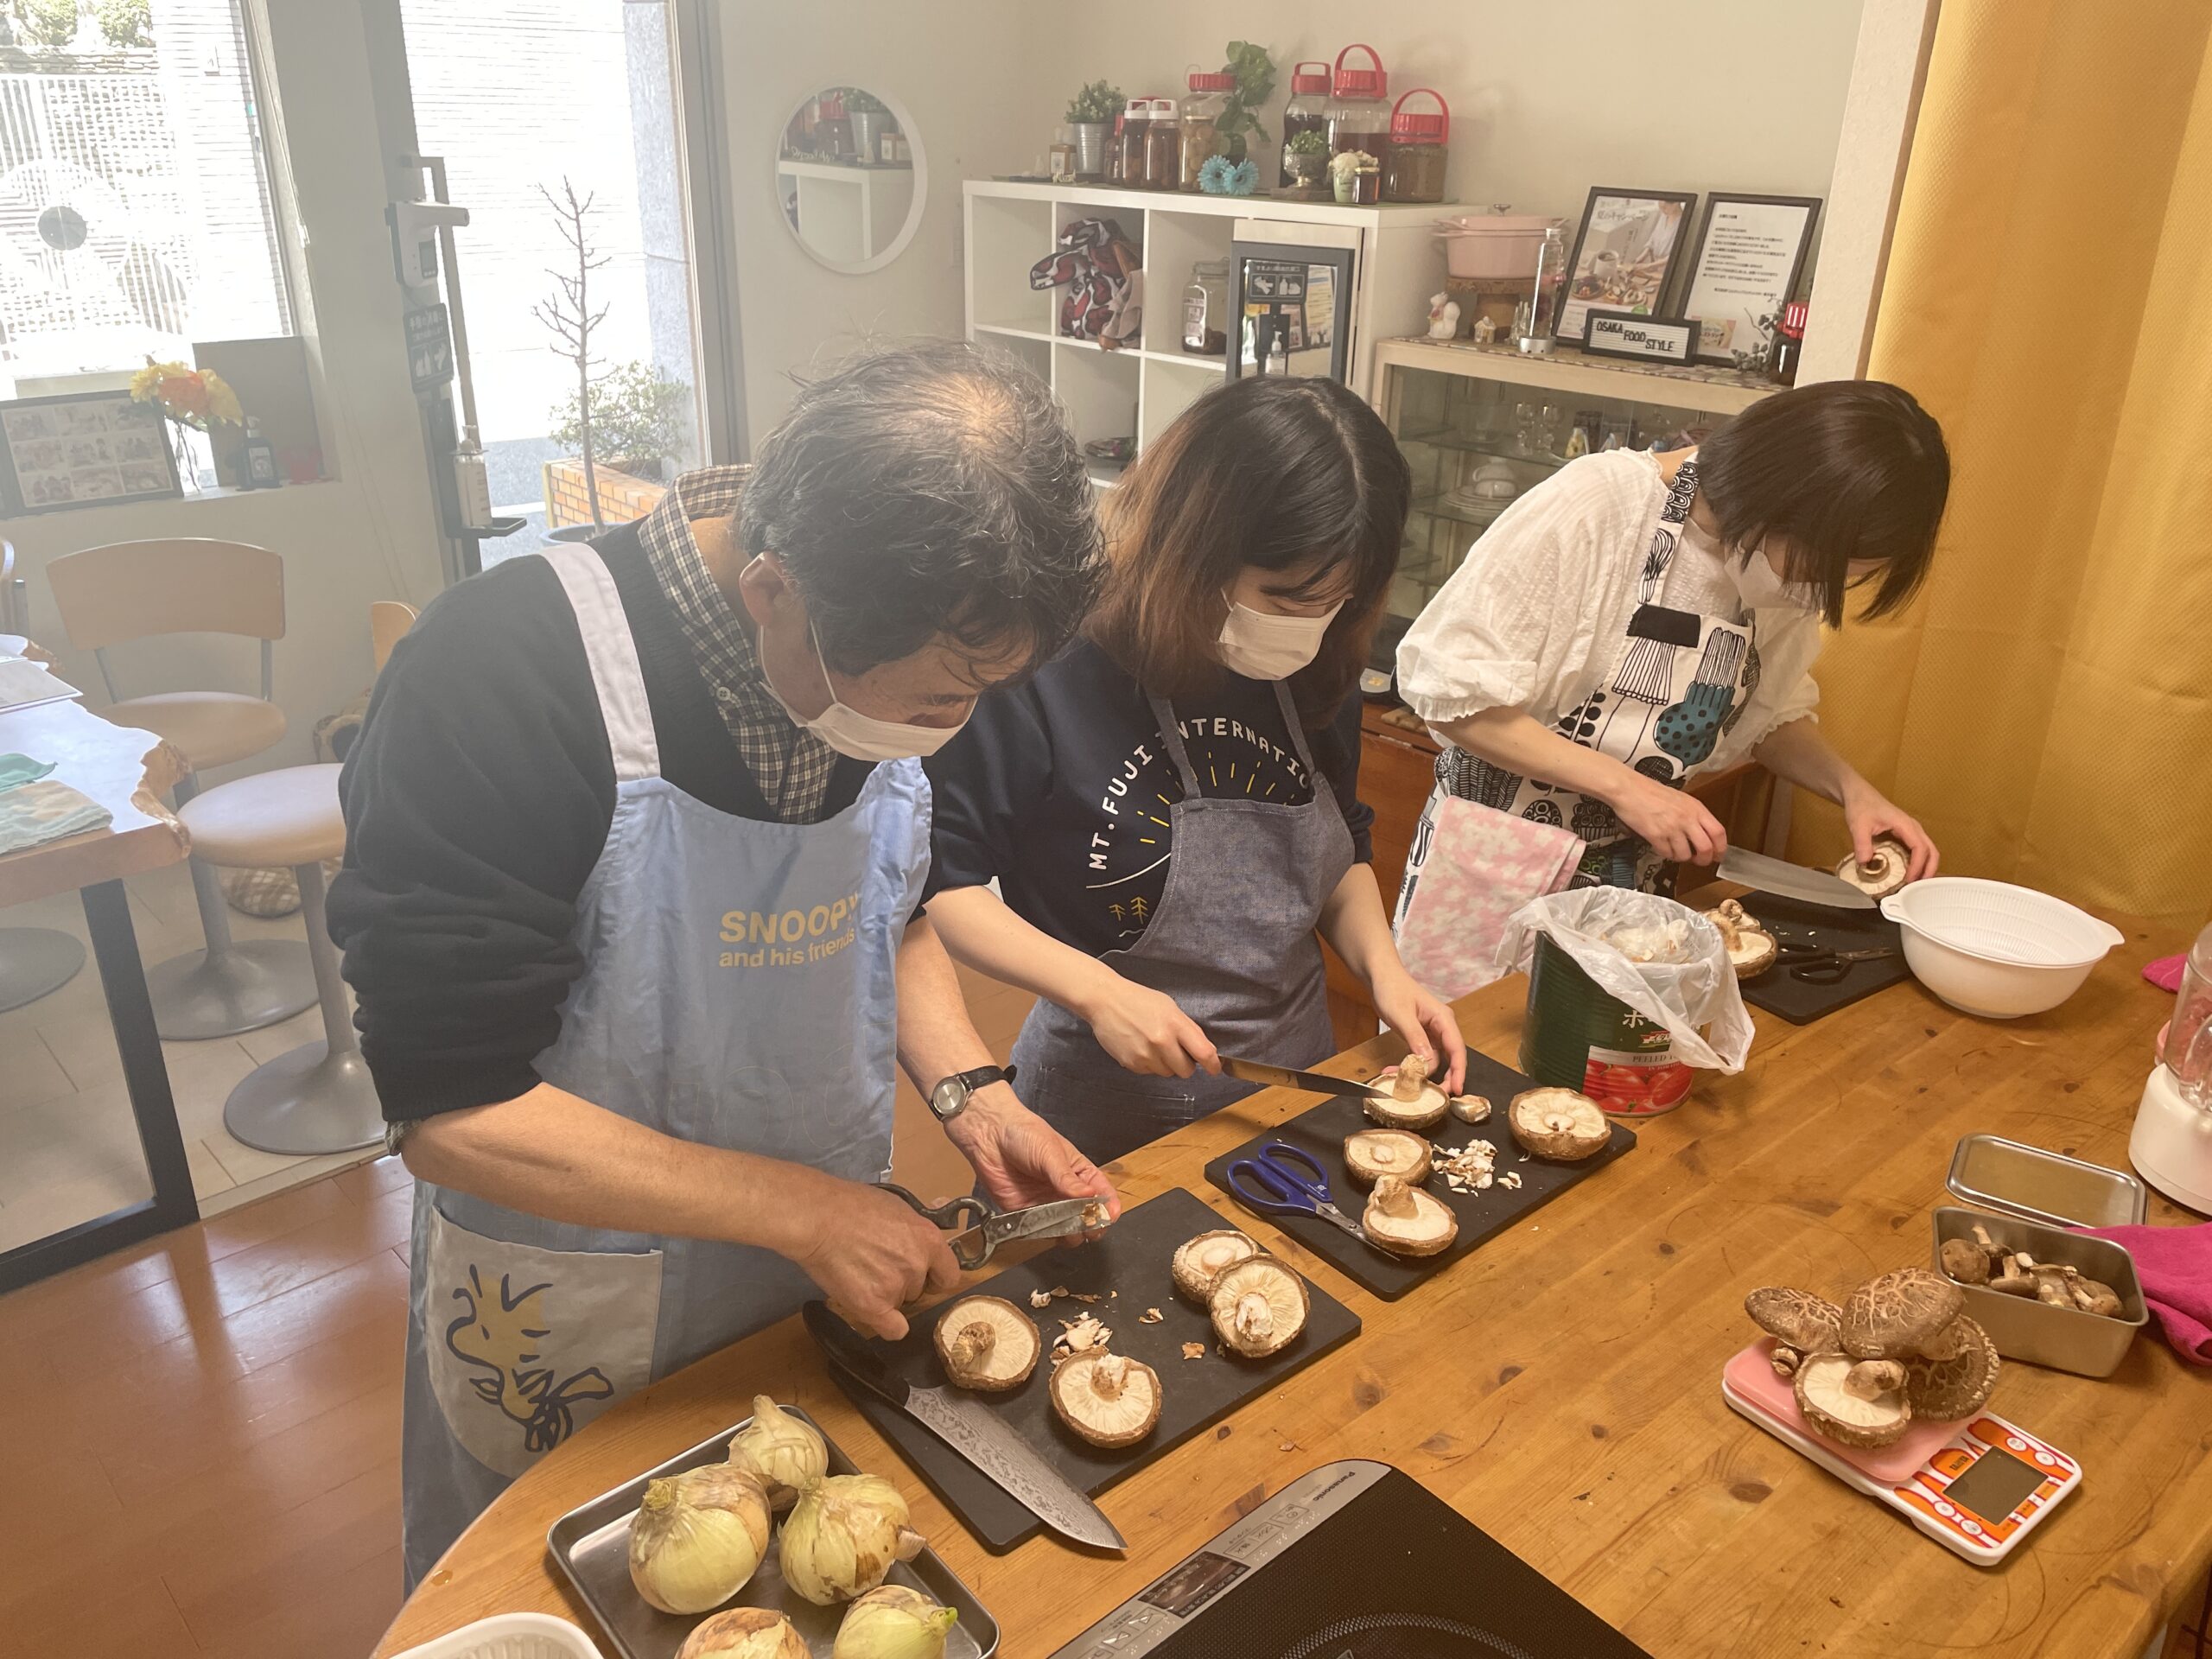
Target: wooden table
1560, 1387
127, 772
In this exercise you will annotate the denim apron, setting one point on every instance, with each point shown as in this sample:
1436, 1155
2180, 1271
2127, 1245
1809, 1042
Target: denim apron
738, 992
1232, 941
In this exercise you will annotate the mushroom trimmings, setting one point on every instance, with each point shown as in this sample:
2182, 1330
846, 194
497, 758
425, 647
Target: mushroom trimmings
1198, 1262
1410, 1100
986, 1344
1559, 1123
1405, 1220
1109, 1400
1259, 1307
1370, 1155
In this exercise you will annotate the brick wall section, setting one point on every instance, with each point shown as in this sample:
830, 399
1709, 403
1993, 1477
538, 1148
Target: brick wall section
621, 498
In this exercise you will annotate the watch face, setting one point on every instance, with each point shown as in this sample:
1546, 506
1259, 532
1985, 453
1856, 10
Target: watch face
949, 1096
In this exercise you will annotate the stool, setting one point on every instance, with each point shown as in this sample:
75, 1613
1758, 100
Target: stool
317, 1098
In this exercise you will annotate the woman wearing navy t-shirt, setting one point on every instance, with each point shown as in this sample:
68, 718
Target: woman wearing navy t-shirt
1169, 806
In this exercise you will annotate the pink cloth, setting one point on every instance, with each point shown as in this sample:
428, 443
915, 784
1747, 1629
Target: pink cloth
1483, 865
2165, 972
2175, 1264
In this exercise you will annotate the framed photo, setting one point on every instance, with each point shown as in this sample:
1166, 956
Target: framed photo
1625, 254
83, 448
1750, 251
1638, 338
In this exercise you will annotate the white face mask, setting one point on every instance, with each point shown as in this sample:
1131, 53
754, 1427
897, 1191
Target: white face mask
862, 737
1263, 646
1762, 589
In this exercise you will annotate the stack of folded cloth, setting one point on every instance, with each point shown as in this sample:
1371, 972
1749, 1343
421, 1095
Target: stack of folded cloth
36, 809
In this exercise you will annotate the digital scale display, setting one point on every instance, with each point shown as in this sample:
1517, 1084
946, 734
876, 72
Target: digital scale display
1195, 1583
1995, 1485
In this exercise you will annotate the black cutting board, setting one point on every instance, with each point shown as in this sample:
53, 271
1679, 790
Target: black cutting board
1130, 1257
1482, 1216
1779, 991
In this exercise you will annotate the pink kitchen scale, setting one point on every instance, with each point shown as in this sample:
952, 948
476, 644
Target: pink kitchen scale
1977, 1487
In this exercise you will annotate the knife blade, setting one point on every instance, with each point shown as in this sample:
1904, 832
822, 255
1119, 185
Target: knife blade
1791, 880
1281, 1076
972, 1247
972, 1429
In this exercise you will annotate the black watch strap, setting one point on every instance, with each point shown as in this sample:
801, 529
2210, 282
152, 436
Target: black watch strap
984, 1076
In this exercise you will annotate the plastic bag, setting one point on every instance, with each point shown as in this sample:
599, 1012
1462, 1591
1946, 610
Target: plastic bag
1699, 990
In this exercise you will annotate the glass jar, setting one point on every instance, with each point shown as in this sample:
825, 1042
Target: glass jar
1413, 170
1307, 112
1536, 318
1205, 309
1202, 111
1163, 146
1129, 142
1359, 116
1060, 162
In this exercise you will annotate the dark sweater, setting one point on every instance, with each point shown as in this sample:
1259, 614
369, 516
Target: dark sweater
1060, 789
478, 797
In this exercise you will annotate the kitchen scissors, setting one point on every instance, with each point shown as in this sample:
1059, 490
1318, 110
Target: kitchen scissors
978, 1229
1817, 965
1280, 1179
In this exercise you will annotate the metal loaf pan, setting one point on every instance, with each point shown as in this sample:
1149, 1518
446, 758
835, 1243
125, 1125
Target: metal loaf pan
2064, 1338
592, 1545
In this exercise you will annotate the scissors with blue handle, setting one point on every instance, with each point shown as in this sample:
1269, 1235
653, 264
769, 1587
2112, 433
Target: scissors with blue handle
1282, 1180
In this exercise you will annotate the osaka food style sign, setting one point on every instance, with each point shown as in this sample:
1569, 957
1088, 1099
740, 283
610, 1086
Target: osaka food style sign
1640, 338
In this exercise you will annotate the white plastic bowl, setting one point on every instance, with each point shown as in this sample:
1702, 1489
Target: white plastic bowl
1995, 950
511, 1635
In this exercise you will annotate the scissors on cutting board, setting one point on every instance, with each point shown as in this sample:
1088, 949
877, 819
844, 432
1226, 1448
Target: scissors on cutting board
1280, 1179
981, 1230
1818, 965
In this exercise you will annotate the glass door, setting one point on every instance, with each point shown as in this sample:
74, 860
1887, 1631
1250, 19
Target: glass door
562, 126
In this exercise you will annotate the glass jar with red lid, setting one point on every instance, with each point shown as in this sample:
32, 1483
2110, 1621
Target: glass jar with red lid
1359, 115
1413, 170
1202, 112
1307, 112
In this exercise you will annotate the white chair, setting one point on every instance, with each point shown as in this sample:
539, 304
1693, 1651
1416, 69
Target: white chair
35, 962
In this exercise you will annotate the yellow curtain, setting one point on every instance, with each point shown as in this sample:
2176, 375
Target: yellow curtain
2046, 708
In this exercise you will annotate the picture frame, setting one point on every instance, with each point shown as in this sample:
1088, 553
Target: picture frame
82, 450
1749, 253
1636, 337
1627, 250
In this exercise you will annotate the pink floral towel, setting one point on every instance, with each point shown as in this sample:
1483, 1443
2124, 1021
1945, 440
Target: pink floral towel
1482, 866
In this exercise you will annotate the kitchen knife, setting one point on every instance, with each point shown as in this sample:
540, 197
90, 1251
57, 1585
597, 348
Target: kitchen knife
1281, 1076
1791, 880
972, 1429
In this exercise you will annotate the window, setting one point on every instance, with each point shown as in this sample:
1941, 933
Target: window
135, 207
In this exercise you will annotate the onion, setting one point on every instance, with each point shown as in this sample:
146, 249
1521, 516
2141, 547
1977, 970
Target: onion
697, 1537
893, 1622
842, 1535
787, 1454
745, 1633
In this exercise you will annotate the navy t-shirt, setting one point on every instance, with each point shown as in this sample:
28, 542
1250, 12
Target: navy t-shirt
1060, 787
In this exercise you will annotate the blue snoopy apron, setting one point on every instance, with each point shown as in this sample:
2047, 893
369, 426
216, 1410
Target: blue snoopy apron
738, 991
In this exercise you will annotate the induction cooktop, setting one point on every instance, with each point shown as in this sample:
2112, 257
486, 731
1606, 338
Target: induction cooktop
1354, 1561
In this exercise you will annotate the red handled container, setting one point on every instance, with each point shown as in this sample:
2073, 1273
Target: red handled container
1307, 112
1358, 116
1413, 169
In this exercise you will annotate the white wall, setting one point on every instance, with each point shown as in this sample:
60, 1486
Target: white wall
371, 532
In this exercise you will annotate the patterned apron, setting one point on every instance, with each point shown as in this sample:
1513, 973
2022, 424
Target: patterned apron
738, 992
1232, 941
1680, 681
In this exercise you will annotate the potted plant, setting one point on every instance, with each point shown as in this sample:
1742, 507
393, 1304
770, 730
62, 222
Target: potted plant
1256, 84
1091, 113
636, 420
1306, 158
871, 120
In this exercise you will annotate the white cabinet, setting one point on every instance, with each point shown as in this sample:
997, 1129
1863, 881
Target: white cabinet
1137, 392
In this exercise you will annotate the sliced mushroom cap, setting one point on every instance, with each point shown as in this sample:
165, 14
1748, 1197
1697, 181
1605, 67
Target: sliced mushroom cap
1259, 1307
1964, 1262
1470, 1109
1899, 1313
1559, 1123
1832, 1408
1945, 1391
1370, 1155
1108, 1399
986, 1344
1201, 1262
745, 1633
1797, 1319
1405, 1220
1884, 874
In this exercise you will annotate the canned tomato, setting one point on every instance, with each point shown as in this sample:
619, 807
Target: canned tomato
1577, 1035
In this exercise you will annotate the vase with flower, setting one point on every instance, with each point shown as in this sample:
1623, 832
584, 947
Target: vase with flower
197, 400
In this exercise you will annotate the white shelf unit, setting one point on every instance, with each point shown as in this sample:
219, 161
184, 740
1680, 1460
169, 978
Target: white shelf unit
848, 213
1139, 391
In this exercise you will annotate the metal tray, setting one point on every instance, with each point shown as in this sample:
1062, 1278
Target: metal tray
2064, 1338
591, 1544
2046, 1187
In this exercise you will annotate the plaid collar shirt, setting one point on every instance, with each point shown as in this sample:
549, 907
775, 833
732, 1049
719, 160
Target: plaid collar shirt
792, 765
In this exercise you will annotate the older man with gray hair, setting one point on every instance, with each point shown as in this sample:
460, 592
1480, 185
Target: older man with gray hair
636, 837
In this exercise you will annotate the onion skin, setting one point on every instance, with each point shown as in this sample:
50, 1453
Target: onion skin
842, 1535
698, 1537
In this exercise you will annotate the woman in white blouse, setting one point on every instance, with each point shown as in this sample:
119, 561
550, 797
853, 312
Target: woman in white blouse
1638, 619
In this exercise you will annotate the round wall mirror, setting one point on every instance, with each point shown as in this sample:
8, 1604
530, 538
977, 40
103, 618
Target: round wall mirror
851, 177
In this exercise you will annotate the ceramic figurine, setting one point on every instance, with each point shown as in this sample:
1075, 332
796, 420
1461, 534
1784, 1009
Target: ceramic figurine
1485, 330
1443, 317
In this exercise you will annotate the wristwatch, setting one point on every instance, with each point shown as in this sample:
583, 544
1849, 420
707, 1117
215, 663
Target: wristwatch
950, 1098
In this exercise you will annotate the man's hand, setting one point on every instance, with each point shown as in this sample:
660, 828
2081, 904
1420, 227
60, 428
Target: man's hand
1678, 827
1144, 1031
1020, 1159
1416, 1014
872, 1255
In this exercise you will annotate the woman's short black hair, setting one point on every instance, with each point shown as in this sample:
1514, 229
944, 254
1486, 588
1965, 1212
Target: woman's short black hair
927, 492
1838, 471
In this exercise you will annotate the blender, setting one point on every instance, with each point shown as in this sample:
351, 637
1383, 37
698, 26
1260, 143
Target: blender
2172, 1146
